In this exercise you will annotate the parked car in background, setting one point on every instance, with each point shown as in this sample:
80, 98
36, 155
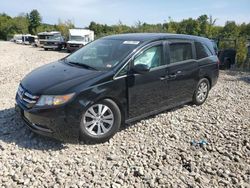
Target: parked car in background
79, 38
25, 39
116, 79
226, 52
28, 39
227, 58
55, 42
43, 36
18, 38
34, 40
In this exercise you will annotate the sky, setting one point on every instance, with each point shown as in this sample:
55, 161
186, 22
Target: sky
82, 12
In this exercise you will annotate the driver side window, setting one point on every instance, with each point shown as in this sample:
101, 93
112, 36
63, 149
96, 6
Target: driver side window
151, 57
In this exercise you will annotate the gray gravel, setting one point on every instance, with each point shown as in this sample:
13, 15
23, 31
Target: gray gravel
155, 152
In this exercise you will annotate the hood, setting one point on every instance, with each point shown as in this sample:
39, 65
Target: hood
56, 78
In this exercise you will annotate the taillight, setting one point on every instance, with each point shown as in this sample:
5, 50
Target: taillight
218, 63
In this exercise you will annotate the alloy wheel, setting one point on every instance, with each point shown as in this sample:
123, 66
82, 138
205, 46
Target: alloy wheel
202, 92
98, 119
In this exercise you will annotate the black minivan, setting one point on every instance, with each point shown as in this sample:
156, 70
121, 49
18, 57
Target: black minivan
115, 80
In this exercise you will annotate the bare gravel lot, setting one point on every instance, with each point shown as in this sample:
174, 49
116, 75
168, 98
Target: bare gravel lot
155, 152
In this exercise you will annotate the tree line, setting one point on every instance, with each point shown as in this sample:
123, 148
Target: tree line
30, 23
204, 25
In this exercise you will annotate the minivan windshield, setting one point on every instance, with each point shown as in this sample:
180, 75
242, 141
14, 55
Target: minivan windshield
77, 38
54, 37
102, 54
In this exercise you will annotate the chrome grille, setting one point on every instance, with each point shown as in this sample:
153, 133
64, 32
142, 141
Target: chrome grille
75, 45
26, 98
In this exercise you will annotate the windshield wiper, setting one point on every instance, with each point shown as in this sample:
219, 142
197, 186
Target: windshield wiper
82, 65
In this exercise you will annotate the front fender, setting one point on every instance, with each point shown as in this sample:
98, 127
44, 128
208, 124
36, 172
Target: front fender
115, 90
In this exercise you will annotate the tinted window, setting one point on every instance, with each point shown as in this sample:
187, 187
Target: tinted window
123, 72
180, 52
151, 57
202, 50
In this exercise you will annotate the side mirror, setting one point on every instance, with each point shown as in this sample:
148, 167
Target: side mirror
141, 68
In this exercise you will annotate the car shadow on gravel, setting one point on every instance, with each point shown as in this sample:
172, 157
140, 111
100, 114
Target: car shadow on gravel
245, 79
14, 131
59, 51
241, 75
127, 125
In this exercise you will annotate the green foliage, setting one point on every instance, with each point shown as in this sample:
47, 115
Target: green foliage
34, 19
20, 24
46, 27
5, 26
189, 26
64, 27
241, 51
202, 26
101, 29
230, 30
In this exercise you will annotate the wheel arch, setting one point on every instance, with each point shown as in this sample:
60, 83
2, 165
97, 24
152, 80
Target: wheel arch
204, 74
121, 107
209, 80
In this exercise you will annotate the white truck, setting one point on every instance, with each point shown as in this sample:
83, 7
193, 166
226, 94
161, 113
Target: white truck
43, 36
79, 38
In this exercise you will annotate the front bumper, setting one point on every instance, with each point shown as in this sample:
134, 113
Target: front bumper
51, 46
57, 123
72, 47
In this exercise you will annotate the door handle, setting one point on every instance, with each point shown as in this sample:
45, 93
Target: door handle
171, 76
163, 78
174, 75
168, 77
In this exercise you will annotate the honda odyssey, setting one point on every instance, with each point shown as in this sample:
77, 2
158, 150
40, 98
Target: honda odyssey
115, 80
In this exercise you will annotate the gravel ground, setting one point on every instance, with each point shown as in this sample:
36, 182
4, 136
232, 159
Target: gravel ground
155, 152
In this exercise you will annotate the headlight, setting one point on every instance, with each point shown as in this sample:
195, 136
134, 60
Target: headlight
54, 100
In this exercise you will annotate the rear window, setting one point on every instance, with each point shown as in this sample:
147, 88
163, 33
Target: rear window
202, 50
180, 52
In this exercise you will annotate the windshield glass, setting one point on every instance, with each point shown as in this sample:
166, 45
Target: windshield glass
77, 38
54, 37
103, 54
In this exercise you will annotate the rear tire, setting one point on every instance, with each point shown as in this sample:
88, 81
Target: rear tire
100, 122
59, 48
201, 92
46, 49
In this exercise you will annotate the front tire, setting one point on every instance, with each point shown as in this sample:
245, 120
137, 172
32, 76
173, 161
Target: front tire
59, 48
201, 92
100, 122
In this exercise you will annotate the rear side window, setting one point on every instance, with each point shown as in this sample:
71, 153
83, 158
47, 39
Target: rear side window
202, 50
180, 52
